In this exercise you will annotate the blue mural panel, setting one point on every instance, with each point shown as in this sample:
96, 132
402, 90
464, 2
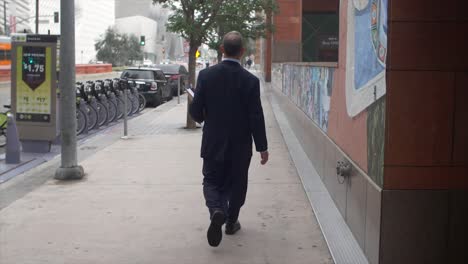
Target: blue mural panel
366, 53
370, 42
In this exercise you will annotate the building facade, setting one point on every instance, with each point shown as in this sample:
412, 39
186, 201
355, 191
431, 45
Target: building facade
378, 90
92, 18
163, 45
141, 26
17, 17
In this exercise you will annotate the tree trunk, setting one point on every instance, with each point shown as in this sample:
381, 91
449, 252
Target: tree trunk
192, 72
192, 64
268, 48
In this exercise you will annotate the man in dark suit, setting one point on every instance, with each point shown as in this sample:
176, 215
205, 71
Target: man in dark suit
227, 100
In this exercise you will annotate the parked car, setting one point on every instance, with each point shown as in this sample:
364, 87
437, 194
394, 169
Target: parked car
172, 73
151, 82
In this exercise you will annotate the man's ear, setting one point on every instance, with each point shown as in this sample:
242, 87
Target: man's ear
221, 48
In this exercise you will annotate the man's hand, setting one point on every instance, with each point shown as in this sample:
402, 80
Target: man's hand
264, 156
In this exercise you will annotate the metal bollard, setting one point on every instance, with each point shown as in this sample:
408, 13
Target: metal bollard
13, 145
178, 91
125, 114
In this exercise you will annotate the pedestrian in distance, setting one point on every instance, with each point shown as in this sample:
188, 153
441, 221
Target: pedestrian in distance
227, 100
249, 63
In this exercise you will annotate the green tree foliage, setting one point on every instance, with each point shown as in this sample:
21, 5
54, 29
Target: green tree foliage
193, 20
118, 49
244, 16
196, 20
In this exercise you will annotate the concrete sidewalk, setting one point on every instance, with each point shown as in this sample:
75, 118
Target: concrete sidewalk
142, 202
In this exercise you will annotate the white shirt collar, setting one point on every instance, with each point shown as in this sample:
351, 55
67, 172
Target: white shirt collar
233, 60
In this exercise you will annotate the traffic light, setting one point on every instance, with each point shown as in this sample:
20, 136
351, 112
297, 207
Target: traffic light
142, 40
56, 17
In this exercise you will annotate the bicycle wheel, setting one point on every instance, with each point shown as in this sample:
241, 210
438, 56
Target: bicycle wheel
129, 107
102, 114
80, 121
135, 104
2, 139
3, 124
142, 101
112, 111
92, 117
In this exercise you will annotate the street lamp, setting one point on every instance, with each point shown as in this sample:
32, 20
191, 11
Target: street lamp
69, 168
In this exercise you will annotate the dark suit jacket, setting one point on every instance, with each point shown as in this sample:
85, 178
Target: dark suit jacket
227, 99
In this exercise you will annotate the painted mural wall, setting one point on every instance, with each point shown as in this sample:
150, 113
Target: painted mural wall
310, 88
366, 53
348, 102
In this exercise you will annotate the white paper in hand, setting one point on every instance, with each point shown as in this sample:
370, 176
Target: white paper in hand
190, 92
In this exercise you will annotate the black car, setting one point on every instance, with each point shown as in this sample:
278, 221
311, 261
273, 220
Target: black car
172, 73
150, 82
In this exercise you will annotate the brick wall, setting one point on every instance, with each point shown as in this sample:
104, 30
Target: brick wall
427, 113
287, 36
320, 5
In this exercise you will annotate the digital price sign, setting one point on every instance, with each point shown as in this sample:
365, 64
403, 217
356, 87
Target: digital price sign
33, 97
34, 59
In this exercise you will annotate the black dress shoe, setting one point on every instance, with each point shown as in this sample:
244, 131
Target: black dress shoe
232, 228
215, 233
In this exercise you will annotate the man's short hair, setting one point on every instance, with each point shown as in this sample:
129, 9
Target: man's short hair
233, 43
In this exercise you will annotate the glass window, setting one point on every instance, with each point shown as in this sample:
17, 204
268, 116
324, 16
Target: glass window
138, 74
160, 76
169, 69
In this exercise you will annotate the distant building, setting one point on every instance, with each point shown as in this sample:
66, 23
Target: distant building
92, 18
163, 45
129, 8
141, 26
17, 16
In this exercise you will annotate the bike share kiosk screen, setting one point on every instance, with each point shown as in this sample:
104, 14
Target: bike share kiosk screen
34, 90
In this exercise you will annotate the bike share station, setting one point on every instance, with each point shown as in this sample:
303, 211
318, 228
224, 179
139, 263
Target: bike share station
33, 104
34, 91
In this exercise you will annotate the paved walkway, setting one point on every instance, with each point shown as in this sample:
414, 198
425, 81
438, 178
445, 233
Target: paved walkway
141, 202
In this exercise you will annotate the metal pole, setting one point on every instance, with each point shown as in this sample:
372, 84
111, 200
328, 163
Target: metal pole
37, 16
125, 115
5, 18
178, 91
69, 169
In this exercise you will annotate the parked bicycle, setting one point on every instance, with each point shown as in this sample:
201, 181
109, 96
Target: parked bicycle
81, 120
118, 90
103, 96
113, 97
101, 102
133, 95
94, 102
85, 102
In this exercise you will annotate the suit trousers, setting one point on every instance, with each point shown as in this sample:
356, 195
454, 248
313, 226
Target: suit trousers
225, 185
